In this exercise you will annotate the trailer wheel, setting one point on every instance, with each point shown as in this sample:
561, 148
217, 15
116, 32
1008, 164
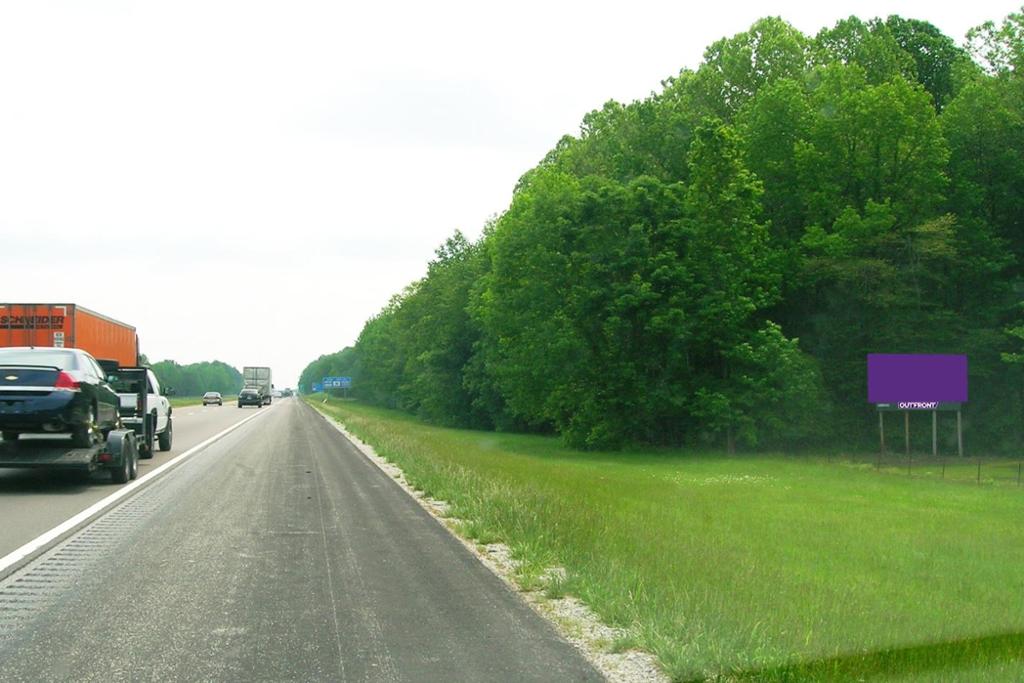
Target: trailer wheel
135, 467
167, 436
129, 463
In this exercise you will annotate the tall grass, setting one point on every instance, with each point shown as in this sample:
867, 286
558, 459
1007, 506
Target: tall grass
748, 567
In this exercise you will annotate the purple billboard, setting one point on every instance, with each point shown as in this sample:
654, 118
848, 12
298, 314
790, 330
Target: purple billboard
916, 381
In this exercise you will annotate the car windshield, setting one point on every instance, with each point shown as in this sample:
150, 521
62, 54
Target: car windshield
211, 394
65, 360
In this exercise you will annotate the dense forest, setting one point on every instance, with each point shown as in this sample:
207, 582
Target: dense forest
196, 379
713, 263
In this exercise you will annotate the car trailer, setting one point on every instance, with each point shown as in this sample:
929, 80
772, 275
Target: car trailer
119, 454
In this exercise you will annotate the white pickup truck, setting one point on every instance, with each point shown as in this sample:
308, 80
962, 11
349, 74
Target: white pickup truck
148, 414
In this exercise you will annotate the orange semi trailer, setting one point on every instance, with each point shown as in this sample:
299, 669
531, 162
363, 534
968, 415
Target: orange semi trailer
71, 326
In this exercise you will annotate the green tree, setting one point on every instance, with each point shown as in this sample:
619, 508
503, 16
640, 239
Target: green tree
582, 308
735, 276
735, 69
871, 46
877, 143
774, 394
380, 358
941, 66
771, 128
1000, 49
984, 127
530, 343
438, 337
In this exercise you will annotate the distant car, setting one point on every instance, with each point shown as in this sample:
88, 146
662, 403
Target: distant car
49, 390
250, 397
213, 397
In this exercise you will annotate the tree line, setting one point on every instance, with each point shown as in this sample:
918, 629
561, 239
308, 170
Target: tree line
712, 264
196, 379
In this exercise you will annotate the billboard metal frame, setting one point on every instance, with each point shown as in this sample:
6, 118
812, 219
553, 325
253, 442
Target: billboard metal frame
908, 406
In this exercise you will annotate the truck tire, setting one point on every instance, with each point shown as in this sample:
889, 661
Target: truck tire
167, 436
146, 438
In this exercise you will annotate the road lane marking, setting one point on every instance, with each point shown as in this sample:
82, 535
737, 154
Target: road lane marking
44, 539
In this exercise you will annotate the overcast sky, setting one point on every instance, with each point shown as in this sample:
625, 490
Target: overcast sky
250, 181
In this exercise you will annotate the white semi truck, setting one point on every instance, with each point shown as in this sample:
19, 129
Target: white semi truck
260, 379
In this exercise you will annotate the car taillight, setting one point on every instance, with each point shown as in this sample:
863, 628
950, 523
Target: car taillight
65, 382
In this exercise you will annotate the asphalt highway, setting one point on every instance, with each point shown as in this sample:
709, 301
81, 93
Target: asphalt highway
33, 501
277, 553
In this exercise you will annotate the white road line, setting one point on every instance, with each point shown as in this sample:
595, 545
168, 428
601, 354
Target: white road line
45, 538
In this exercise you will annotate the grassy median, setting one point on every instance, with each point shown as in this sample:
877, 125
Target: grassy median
744, 567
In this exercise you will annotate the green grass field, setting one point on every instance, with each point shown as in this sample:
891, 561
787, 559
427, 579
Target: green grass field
744, 567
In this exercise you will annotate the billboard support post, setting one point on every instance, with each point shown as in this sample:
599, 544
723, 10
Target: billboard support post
935, 433
881, 431
959, 434
906, 430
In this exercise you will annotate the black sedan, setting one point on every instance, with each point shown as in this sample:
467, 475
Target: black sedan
250, 397
46, 390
